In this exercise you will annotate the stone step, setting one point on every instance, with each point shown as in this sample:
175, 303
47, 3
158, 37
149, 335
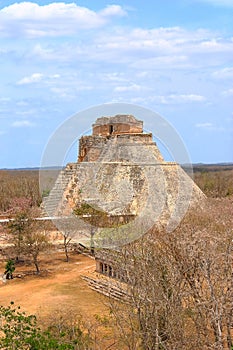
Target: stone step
108, 288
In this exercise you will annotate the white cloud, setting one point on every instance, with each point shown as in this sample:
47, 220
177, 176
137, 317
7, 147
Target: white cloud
168, 99
163, 39
112, 10
161, 48
139, 49
34, 78
70, 89
55, 76
165, 61
131, 87
62, 92
55, 19
37, 78
22, 103
178, 98
43, 53
224, 73
228, 92
207, 126
204, 125
5, 99
215, 45
22, 123
26, 112
114, 77
143, 40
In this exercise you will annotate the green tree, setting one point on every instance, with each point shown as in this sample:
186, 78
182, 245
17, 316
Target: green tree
21, 331
9, 269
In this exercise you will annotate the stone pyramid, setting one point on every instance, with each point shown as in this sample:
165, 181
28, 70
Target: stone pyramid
120, 186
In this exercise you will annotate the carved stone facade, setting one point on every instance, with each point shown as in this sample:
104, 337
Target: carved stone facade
110, 264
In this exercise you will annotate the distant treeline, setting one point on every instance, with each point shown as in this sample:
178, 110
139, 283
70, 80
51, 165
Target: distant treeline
214, 181
212, 167
18, 184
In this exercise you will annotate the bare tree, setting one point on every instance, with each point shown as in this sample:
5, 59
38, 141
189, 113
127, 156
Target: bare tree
181, 283
202, 250
34, 242
67, 238
28, 234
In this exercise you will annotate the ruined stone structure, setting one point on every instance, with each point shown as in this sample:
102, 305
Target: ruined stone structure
120, 124
123, 128
119, 188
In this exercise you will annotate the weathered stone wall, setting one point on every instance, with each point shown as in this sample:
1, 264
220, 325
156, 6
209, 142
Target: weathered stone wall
90, 148
119, 124
96, 148
115, 129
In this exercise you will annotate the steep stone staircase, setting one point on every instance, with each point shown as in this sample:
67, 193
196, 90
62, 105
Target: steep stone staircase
53, 202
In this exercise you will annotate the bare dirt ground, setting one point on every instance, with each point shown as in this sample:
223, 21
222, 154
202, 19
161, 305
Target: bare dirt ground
59, 286
60, 290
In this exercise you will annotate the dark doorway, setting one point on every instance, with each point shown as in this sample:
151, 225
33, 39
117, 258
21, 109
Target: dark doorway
101, 268
110, 129
110, 271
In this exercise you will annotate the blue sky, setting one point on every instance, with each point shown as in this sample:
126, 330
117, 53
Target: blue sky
59, 58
